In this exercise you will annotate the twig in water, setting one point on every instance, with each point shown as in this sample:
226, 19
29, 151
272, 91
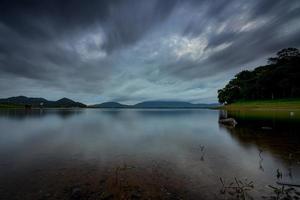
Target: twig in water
283, 193
279, 174
237, 188
260, 160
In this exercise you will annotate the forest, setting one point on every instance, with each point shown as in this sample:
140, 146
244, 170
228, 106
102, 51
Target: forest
279, 79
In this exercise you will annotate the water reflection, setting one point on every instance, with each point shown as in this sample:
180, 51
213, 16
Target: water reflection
30, 113
127, 154
273, 131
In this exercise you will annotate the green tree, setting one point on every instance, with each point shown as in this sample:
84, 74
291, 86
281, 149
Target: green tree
278, 79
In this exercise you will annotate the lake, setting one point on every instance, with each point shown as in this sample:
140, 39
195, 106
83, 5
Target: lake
145, 154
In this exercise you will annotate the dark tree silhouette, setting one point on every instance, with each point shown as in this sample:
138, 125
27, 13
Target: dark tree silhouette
279, 79
284, 55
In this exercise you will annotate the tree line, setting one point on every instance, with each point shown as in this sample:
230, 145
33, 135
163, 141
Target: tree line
280, 78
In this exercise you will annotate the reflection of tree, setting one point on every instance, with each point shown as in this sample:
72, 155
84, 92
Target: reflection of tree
34, 113
281, 140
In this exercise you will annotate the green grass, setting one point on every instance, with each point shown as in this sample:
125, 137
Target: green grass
278, 104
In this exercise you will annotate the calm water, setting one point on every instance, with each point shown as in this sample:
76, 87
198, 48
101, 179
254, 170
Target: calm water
143, 154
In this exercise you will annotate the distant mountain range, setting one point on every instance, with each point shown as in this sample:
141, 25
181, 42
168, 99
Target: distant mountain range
68, 103
37, 102
155, 104
109, 105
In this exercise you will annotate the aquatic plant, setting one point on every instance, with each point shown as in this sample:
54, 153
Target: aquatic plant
202, 152
237, 189
260, 160
119, 169
279, 174
283, 192
290, 164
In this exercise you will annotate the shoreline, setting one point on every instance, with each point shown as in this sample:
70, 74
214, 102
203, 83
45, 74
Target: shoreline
276, 105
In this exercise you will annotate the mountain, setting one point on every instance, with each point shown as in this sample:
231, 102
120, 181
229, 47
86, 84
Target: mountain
23, 100
65, 102
163, 104
154, 104
36, 102
68, 103
171, 104
109, 105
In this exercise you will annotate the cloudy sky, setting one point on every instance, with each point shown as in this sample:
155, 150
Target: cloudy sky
136, 50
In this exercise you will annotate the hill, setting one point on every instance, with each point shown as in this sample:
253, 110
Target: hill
21, 101
37, 102
154, 104
170, 104
109, 105
65, 102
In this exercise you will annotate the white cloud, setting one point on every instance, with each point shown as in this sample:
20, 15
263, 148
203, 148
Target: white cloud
252, 25
191, 47
89, 45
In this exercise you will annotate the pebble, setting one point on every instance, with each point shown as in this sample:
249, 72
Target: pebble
106, 196
76, 193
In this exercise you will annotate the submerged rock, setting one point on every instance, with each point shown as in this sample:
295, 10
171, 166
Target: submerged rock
106, 196
266, 128
228, 122
136, 195
76, 193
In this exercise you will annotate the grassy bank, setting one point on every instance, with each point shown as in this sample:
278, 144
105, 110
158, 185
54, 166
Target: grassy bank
278, 104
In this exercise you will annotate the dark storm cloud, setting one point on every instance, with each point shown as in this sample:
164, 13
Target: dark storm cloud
124, 22
129, 21
34, 18
245, 46
133, 50
33, 27
258, 42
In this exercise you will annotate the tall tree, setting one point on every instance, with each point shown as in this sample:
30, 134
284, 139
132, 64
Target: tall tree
278, 79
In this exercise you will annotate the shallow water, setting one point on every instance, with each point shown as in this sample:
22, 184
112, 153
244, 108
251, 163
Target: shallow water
143, 154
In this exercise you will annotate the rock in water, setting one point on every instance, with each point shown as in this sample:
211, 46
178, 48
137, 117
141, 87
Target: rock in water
76, 193
266, 128
228, 122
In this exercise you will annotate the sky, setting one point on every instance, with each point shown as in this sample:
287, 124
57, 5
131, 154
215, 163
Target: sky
137, 50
